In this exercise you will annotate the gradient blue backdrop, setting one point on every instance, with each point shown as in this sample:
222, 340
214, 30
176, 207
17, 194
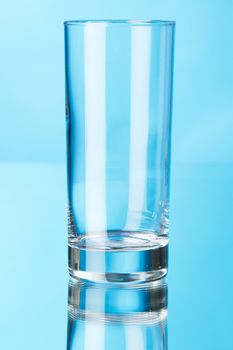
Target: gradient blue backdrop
33, 184
32, 79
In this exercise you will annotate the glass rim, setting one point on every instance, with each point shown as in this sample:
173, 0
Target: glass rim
130, 22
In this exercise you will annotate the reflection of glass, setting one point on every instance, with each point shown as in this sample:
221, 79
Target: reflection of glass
118, 112
117, 317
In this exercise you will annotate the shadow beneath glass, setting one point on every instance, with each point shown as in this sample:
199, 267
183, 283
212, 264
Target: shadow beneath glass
117, 317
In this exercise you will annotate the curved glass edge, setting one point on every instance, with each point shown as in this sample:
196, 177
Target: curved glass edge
129, 22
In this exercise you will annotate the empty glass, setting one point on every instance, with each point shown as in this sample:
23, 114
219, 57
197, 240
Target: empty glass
118, 113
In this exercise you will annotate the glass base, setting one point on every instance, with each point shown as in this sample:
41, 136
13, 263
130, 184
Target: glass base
119, 260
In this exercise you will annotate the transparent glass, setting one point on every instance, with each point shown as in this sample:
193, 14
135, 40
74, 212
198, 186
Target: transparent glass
118, 113
112, 317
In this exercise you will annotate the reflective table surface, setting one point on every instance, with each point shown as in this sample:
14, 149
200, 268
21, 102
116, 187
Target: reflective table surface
42, 309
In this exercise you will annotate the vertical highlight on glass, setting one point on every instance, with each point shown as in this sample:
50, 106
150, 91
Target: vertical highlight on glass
119, 77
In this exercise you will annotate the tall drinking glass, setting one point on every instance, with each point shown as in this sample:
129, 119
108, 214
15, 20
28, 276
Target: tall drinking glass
118, 114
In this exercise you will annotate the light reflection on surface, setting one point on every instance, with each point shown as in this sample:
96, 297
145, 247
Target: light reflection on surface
117, 316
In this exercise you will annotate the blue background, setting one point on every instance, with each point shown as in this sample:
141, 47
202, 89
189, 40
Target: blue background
32, 78
33, 271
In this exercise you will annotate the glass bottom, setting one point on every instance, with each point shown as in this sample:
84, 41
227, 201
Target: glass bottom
118, 257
